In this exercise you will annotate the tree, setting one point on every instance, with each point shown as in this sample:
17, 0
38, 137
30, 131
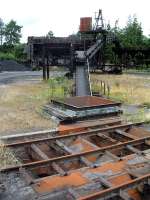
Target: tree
12, 33
20, 51
1, 31
133, 33
50, 34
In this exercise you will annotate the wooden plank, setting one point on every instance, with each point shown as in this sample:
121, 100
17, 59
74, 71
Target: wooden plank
57, 148
86, 161
58, 169
123, 133
107, 137
38, 151
133, 149
63, 146
104, 182
114, 157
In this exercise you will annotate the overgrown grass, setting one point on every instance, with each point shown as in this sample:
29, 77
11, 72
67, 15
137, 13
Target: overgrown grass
139, 116
59, 88
129, 90
54, 88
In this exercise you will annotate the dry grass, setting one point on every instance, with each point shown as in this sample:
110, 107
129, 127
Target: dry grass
20, 108
128, 89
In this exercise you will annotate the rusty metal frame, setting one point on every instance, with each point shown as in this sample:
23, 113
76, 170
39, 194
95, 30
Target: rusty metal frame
73, 107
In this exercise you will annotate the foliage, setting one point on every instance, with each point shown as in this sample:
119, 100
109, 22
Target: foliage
132, 33
12, 33
9, 52
10, 47
1, 31
7, 56
60, 87
131, 36
19, 52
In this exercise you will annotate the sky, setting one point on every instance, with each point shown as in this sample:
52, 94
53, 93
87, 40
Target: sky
63, 16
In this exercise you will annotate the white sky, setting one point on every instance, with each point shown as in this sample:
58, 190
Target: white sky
63, 16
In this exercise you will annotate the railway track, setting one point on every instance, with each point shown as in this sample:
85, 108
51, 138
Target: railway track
57, 136
97, 159
63, 130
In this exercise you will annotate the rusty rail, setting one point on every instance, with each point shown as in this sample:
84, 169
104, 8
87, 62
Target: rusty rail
77, 155
116, 190
67, 136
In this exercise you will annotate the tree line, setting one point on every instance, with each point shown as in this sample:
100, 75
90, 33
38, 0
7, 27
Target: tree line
131, 38
131, 35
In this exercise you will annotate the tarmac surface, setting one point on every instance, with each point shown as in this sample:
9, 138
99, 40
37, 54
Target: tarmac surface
25, 76
17, 76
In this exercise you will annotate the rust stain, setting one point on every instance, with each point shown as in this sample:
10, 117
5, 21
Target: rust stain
77, 178
74, 179
87, 101
119, 179
70, 128
134, 194
139, 132
85, 145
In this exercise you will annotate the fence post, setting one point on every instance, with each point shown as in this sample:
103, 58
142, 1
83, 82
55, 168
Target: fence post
108, 88
104, 88
101, 86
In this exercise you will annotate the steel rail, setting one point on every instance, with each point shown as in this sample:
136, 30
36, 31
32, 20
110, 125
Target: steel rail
102, 122
67, 136
116, 189
77, 155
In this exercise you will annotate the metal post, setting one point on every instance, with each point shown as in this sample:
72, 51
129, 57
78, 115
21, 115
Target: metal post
47, 69
44, 71
104, 88
43, 63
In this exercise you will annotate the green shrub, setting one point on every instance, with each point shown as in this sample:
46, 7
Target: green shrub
7, 56
60, 87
